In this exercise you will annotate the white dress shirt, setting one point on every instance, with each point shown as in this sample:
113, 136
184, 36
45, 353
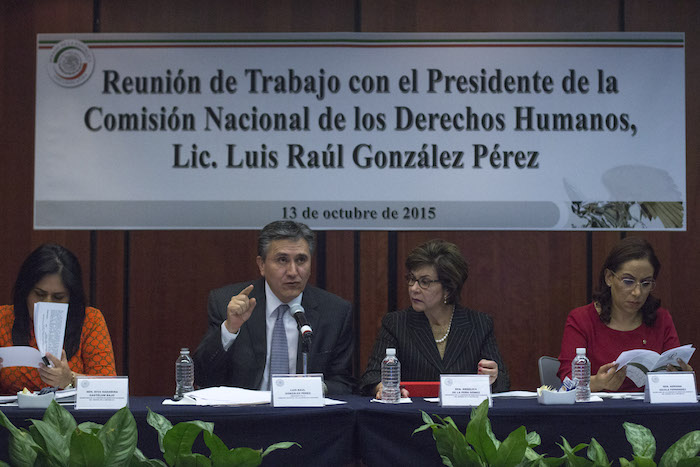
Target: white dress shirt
290, 326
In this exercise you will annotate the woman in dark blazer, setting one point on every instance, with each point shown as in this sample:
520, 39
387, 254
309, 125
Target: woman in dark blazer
436, 335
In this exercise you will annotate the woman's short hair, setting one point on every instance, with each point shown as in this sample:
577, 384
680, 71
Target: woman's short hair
451, 267
628, 249
46, 260
284, 230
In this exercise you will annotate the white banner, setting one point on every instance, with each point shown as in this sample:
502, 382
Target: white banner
361, 131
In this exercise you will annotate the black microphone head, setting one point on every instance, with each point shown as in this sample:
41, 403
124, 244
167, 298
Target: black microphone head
297, 312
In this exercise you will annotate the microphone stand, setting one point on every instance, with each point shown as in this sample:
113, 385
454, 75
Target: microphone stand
305, 348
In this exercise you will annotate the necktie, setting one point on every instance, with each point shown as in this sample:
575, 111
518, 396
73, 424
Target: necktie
279, 352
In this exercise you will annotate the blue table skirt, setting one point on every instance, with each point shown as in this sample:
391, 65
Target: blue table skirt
381, 434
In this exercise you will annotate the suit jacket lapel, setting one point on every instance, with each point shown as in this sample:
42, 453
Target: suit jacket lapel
257, 324
460, 333
420, 331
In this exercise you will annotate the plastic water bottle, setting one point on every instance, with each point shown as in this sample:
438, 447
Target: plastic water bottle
184, 373
581, 372
391, 377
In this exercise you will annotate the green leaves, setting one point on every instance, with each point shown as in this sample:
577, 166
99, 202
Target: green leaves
57, 440
477, 433
55, 443
281, 445
597, 454
161, 424
119, 436
512, 450
86, 450
57, 416
176, 445
478, 446
641, 439
178, 441
683, 452
22, 448
570, 453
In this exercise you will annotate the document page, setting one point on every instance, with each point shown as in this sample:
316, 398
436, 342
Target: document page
50, 327
229, 396
640, 361
645, 358
20, 355
671, 356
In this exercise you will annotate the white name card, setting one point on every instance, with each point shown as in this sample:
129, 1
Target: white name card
102, 392
670, 387
464, 390
297, 390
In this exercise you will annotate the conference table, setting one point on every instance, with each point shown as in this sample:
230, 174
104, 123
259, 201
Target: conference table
361, 432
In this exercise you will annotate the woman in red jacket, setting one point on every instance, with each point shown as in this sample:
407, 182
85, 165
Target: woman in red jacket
624, 315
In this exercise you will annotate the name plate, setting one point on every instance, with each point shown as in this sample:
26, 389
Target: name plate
668, 387
297, 390
464, 390
102, 392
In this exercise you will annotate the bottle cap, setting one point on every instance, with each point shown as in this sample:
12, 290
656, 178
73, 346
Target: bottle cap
185, 350
580, 351
390, 352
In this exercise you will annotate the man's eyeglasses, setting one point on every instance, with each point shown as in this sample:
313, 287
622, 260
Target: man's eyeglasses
423, 282
629, 284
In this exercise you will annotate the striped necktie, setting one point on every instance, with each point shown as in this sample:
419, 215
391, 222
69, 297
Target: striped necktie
279, 352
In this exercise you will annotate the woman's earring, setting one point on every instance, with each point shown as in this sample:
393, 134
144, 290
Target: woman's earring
444, 300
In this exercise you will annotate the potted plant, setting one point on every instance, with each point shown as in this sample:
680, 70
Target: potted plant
57, 440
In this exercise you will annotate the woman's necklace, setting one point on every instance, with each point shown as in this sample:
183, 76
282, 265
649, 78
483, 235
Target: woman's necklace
442, 339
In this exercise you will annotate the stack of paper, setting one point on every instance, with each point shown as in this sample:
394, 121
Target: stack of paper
49, 329
224, 396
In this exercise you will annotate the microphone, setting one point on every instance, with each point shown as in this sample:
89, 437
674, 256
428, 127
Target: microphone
302, 323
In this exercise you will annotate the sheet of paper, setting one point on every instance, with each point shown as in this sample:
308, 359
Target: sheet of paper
328, 401
592, 399
637, 375
619, 395
50, 327
671, 356
20, 355
652, 360
520, 394
67, 395
187, 400
641, 356
403, 400
229, 396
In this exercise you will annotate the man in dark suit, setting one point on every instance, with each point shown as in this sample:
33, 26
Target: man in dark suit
236, 350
